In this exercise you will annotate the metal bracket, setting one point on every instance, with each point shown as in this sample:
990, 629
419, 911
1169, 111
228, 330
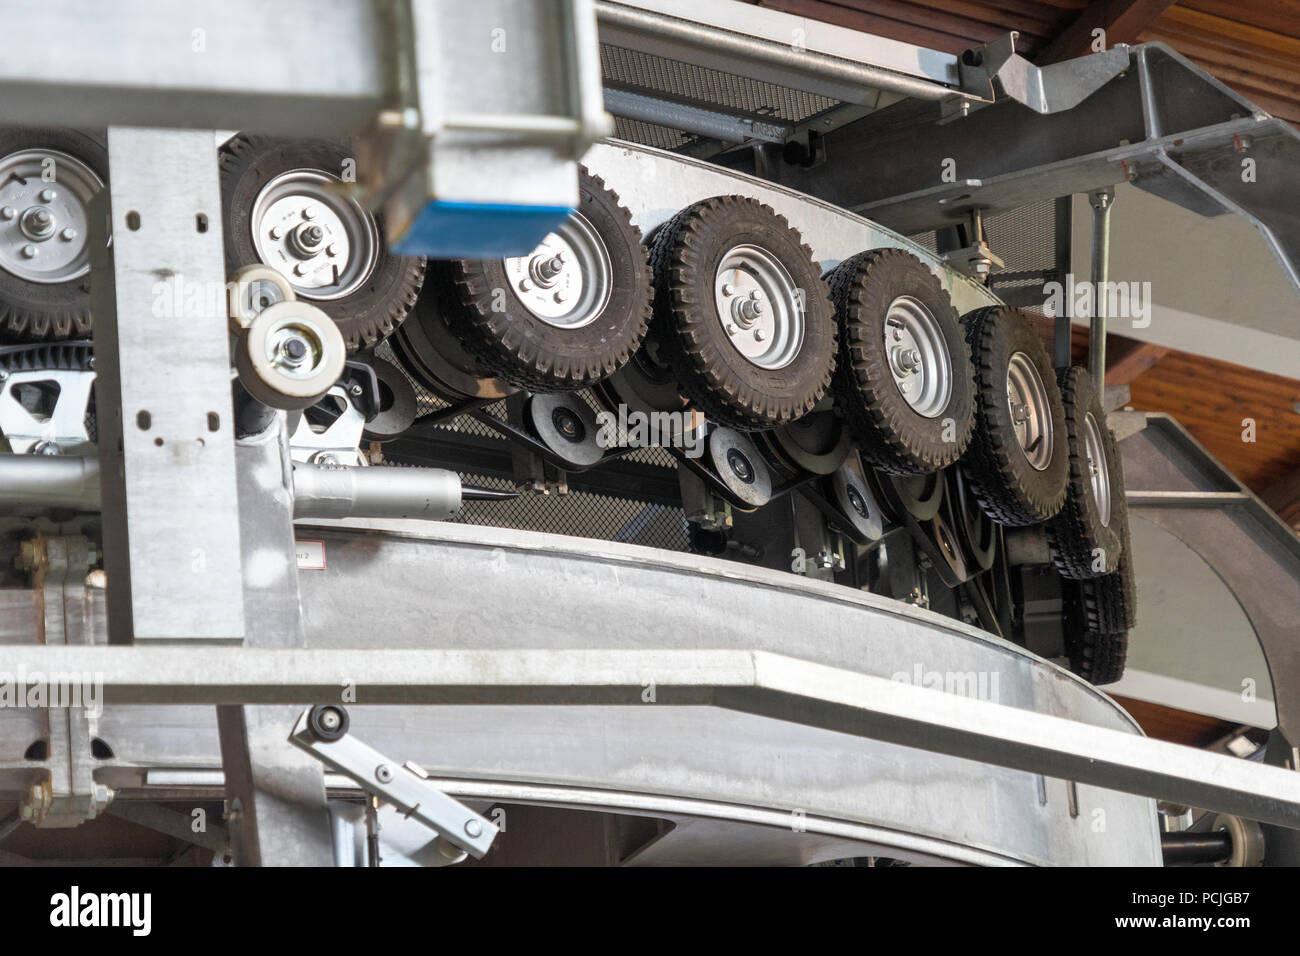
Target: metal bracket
1044, 89
43, 411
322, 732
338, 443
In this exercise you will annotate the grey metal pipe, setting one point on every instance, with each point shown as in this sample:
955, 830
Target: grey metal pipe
39, 482
323, 492
49, 481
780, 62
1101, 201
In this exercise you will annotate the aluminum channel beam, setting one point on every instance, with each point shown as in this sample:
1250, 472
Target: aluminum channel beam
758, 683
295, 67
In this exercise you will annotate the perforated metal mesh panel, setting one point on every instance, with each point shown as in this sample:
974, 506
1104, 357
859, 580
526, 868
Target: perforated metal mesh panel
703, 86
579, 513
1032, 241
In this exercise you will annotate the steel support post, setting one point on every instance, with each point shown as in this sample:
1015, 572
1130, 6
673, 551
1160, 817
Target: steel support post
1101, 201
275, 793
166, 444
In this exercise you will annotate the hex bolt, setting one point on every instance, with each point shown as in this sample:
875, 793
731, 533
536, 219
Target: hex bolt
384, 773
728, 289
354, 389
1020, 413
759, 335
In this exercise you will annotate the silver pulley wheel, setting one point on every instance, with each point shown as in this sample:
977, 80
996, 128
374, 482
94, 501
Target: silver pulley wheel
567, 280
1098, 468
759, 306
252, 290
290, 355
324, 242
918, 356
1031, 413
44, 215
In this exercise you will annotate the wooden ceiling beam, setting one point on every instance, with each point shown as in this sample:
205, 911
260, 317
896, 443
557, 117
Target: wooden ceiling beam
1284, 498
1123, 21
1126, 359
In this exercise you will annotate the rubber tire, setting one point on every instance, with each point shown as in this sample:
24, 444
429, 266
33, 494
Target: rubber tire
1099, 613
1076, 534
30, 311
720, 381
1010, 490
520, 348
369, 314
890, 434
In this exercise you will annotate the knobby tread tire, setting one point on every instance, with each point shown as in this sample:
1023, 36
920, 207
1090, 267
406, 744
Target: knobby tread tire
1082, 546
890, 434
1010, 490
365, 316
519, 348
39, 312
721, 382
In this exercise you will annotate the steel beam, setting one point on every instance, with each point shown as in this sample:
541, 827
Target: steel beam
275, 794
294, 67
166, 439
758, 683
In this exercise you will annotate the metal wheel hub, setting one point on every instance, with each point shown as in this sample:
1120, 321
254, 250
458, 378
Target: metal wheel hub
321, 240
567, 280
918, 356
1031, 414
759, 306
43, 220
1098, 472
295, 350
